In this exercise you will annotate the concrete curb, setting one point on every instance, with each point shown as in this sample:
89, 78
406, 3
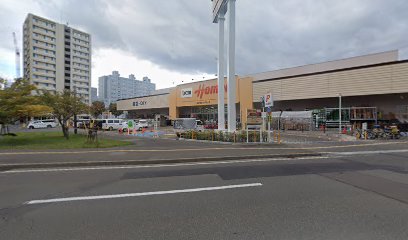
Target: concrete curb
7, 167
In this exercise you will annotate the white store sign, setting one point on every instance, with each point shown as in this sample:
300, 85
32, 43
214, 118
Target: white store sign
187, 93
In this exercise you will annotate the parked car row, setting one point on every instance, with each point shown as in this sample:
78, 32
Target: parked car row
105, 124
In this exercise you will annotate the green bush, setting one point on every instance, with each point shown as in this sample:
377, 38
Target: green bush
211, 135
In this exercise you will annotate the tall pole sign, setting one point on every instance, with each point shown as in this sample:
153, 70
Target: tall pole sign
220, 8
221, 72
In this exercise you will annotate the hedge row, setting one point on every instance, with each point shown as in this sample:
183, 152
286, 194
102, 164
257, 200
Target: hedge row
239, 136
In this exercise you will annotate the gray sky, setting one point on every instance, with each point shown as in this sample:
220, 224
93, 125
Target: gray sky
175, 40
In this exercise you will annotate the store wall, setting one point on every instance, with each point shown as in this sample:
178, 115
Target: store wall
206, 93
379, 79
150, 102
148, 113
245, 90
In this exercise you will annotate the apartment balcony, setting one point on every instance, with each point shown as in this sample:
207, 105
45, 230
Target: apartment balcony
41, 59
81, 67
48, 54
81, 91
41, 45
48, 88
44, 74
43, 32
81, 50
43, 66
40, 38
82, 44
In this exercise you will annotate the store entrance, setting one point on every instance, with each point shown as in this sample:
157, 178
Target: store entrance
207, 114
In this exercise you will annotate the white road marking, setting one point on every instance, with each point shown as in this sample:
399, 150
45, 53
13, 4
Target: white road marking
125, 195
369, 152
159, 165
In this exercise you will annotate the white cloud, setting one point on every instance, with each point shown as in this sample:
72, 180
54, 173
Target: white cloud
175, 40
106, 60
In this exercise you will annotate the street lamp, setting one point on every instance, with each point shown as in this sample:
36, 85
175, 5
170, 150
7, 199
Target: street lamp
339, 113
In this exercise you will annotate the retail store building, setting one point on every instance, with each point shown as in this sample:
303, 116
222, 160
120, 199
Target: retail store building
373, 88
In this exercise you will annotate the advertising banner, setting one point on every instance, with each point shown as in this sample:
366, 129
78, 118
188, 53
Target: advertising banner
254, 117
268, 100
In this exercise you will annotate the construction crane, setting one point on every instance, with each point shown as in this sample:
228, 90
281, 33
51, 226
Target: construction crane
17, 56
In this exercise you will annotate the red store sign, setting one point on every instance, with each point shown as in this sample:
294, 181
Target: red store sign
203, 90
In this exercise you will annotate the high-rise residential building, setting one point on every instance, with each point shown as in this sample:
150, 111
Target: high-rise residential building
94, 94
56, 56
114, 87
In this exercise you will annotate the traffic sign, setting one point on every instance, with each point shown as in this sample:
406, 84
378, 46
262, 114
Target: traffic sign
130, 124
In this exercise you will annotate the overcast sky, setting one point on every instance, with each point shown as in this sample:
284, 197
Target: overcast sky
175, 40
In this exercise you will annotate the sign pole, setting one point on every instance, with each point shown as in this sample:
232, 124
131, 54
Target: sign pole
231, 89
221, 62
247, 133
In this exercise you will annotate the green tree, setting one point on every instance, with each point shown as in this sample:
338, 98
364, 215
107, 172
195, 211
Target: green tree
64, 105
18, 102
113, 108
97, 108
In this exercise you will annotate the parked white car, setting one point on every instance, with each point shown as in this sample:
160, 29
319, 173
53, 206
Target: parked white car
41, 124
143, 123
111, 124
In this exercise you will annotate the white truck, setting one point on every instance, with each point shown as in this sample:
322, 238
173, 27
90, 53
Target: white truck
181, 125
138, 126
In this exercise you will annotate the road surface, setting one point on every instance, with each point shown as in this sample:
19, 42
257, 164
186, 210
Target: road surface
349, 196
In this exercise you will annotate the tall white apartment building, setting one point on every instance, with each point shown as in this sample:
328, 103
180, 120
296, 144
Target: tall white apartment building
114, 87
56, 56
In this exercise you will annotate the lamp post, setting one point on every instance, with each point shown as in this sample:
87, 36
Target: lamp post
339, 113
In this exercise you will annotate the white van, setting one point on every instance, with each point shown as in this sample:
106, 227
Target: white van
111, 124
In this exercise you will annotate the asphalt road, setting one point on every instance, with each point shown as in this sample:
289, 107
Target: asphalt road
361, 196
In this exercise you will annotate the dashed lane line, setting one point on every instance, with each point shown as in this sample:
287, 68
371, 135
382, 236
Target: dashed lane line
127, 195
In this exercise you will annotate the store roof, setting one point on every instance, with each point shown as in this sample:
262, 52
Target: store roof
371, 59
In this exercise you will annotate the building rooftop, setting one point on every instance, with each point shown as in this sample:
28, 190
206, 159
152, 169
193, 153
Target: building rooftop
358, 61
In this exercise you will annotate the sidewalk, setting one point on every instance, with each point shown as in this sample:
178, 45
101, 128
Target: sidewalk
156, 150
144, 151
